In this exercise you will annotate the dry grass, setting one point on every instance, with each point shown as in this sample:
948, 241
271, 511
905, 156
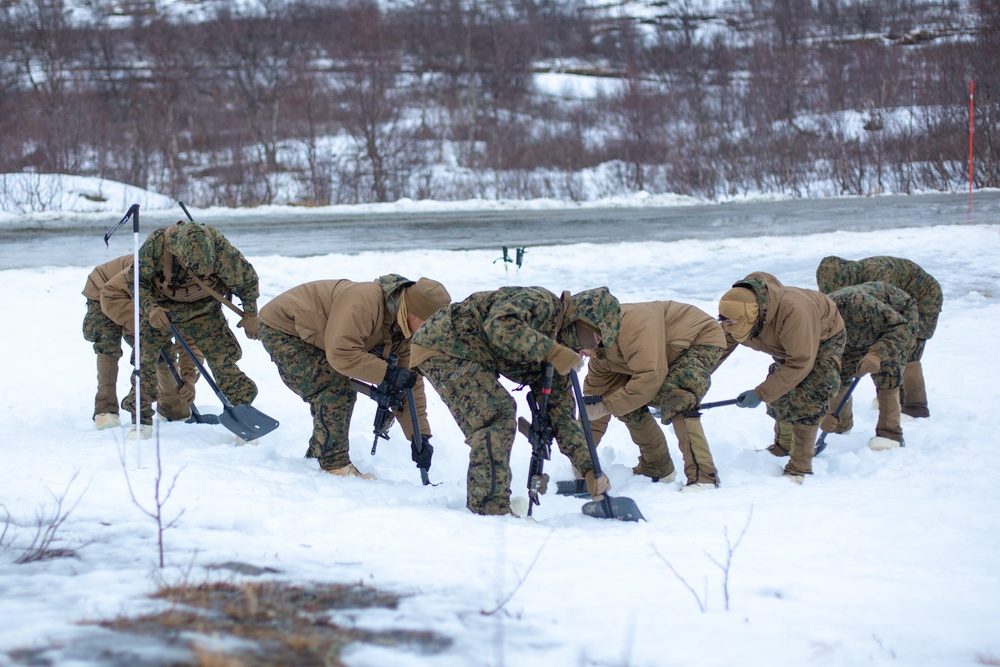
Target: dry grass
276, 623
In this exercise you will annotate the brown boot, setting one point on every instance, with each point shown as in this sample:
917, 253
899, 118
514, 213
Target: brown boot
168, 404
782, 439
106, 400
654, 458
698, 464
803, 450
914, 394
888, 432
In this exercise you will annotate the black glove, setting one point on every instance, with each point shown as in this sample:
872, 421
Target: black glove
423, 457
399, 378
748, 399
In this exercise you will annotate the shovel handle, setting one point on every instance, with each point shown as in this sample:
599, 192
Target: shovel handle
590, 438
821, 443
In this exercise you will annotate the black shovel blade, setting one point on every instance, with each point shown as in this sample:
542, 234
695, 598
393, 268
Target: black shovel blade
572, 487
247, 422
200, 418
621, 508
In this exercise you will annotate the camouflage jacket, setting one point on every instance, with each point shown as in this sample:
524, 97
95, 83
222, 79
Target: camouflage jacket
229, 274
877, 314
513, 329
834, 273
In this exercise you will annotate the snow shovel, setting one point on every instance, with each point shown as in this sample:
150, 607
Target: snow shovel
621, 508
245, 421
821, 443
196, 417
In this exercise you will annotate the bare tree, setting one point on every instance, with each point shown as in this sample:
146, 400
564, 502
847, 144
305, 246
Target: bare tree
160, 496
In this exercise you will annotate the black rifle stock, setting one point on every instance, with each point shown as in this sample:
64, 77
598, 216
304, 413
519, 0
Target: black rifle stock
539, 433
387, 400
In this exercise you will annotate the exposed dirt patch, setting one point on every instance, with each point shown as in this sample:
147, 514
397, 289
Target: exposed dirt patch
242, 625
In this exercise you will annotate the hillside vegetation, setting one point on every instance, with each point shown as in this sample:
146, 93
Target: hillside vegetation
345, 101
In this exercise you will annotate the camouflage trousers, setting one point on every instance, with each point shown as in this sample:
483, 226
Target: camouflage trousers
486, 413
211, 334
917, 351
809, 400
100, 330
305, 370
687, 382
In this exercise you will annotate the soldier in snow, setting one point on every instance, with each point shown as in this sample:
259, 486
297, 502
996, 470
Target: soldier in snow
834, 273
109, 320
323, 333
881, 323
663, 356
463, 349
804, 333
188, 270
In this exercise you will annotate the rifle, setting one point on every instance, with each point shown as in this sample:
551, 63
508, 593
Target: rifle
539, 434
387, 400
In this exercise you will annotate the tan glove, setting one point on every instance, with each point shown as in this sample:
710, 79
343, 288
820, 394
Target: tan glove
564, 359
870, 363
597, 486
596, 410
186, 392
251, 325
158, 318
829, 423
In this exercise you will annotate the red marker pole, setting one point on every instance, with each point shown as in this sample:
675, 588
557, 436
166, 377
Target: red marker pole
971, 109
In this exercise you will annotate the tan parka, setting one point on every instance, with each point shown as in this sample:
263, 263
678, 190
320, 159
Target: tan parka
630, 371
348, 320
102, 274
790, 327
116, 300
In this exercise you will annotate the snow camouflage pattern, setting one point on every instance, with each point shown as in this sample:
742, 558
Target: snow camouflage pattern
834, 273
881, 317
304, 369
508, 332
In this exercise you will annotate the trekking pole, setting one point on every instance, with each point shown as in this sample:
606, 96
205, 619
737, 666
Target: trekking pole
821, 443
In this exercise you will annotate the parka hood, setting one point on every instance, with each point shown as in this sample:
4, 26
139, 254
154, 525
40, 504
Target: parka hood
758, 283
392, 285
834, 273
193, 247
598, 309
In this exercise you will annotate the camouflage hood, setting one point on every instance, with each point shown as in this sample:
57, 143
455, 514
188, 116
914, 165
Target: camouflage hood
392, 285
192, 246
596, 308
758, 284
834, 273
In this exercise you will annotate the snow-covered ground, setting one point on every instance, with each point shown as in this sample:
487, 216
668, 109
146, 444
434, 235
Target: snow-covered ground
879, 558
